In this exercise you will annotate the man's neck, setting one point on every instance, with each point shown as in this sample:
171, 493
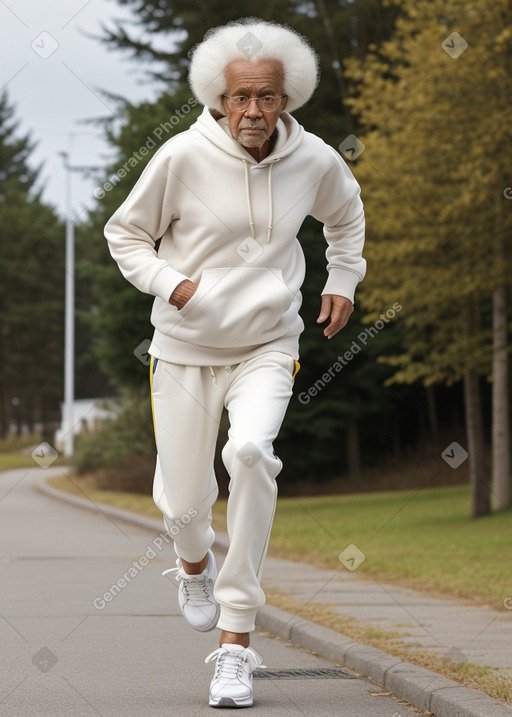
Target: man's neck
259, 153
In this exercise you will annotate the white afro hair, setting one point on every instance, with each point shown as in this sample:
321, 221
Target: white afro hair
253, 39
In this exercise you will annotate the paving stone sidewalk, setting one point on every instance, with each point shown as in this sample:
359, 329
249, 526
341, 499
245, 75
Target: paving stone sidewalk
458, 630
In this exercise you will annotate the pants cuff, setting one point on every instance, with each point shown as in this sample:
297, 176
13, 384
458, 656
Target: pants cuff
237, 619
193, 553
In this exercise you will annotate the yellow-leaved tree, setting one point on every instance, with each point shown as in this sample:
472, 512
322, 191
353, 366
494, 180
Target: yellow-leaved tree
434, 107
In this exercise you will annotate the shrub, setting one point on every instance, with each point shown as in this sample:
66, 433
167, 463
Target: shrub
122, 453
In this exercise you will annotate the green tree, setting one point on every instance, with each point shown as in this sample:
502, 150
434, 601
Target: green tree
437, 216
32, 281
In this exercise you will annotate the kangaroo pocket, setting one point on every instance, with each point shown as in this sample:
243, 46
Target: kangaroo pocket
235, 307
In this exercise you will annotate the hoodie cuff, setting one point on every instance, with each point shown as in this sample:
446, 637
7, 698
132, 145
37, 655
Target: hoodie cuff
166, 280
341, 282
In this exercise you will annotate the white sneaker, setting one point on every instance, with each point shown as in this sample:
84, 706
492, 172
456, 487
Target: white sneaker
232, 683
195, 595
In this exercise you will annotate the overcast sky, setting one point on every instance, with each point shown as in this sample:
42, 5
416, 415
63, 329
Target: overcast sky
54, 75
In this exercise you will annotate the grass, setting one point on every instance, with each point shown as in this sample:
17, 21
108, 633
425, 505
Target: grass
15, 451
84, 487
9, 461
422, 539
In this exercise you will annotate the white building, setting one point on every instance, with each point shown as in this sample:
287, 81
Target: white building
88, 415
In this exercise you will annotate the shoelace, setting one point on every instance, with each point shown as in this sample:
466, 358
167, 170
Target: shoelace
231, 664
194, 586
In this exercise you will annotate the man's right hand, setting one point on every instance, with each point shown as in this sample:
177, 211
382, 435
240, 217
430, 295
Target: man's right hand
182, 293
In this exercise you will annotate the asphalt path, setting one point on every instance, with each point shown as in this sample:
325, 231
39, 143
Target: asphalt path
88, 626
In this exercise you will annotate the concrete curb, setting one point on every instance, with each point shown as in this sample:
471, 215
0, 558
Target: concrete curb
127, 515
424, 689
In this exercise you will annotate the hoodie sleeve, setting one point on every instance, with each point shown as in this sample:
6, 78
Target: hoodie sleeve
339, 207
139, 222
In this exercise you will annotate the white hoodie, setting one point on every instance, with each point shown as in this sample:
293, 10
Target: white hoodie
230, 224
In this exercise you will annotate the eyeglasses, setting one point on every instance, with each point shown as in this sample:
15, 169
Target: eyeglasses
239, 103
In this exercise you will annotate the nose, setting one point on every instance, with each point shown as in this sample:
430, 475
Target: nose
253, 110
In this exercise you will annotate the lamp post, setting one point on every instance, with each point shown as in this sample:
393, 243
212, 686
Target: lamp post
69, 318
69, 306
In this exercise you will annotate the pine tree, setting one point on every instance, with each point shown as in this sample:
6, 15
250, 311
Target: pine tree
31, 296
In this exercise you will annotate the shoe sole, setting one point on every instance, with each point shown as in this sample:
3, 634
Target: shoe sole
230, 702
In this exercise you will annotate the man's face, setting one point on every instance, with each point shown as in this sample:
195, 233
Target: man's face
252, 127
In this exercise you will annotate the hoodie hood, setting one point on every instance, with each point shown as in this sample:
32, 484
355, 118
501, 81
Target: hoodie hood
289, 136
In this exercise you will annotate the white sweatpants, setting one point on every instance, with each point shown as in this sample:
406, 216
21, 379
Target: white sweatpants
187, 408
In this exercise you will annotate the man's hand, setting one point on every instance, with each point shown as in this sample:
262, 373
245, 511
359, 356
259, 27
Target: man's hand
339, 309
182, 293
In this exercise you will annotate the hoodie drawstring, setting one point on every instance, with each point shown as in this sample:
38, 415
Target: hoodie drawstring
270, 204
214, 377
248, 195
249, 201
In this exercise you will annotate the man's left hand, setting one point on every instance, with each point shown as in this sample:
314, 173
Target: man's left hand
339, 309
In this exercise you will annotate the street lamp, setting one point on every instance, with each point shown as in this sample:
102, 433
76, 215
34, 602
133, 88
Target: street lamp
69, 318
69, 305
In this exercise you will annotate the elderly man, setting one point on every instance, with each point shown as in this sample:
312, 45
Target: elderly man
227, 198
